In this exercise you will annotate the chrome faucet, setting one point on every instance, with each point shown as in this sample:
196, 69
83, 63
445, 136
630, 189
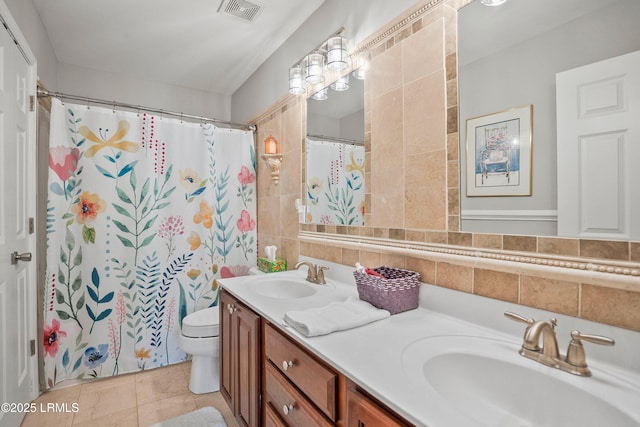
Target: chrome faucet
574, 362
315, 273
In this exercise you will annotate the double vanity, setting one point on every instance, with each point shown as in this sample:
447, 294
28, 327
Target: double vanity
454, 361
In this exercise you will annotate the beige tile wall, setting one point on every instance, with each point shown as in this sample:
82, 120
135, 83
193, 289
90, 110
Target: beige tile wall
411, 141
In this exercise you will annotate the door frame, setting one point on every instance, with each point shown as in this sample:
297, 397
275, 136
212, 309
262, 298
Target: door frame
33, 316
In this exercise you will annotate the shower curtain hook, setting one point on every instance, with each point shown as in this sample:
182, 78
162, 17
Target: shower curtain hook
114, 107
138, 110
181, 115
88, 103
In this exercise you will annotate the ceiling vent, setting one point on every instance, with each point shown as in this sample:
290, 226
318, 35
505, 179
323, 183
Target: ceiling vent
243, 9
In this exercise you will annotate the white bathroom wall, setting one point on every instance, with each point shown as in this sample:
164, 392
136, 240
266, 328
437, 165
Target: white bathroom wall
25, 15
111, 86
360, 18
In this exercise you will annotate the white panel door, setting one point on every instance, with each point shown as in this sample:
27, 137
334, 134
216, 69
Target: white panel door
17, 281
598, 106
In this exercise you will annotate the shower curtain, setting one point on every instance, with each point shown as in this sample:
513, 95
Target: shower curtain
335, 182
144, 215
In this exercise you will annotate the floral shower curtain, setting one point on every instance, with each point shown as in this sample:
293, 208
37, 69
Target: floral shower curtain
335, 183
144, 214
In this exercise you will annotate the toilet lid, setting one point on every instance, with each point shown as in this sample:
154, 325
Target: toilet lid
202, 323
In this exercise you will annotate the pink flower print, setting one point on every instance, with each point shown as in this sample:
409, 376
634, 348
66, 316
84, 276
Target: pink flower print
245, 176
245, 191
170, 227
63, 161
245, 223
51, 336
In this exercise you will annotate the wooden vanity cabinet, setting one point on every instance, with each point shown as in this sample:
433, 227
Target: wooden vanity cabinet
240, 359
363, 411
297, 386
268, 379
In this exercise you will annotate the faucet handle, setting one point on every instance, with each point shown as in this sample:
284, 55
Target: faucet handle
595, 339
575, 352
519, 318
320, 275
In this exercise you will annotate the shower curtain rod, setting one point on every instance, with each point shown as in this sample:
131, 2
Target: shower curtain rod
45, 93
334, 139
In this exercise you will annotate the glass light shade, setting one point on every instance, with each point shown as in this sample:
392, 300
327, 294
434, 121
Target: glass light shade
359, 73
492, 2
296, 82
321, 95
337, 55
314, 68
271, 145
341, 84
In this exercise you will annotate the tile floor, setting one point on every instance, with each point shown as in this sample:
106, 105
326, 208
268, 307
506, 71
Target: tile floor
130, 400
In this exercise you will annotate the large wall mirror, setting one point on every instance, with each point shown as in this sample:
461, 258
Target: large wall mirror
335, 188
508, 57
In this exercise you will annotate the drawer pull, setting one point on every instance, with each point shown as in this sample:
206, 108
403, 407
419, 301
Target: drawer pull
231, 308
287, 364
287, 409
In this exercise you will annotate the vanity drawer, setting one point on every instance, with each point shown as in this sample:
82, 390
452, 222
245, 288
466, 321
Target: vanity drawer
315, 380
271, 417
288, 403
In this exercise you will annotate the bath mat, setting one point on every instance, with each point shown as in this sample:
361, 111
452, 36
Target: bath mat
207, 416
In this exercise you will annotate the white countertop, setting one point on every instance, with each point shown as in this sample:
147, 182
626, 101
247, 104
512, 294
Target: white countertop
372, 355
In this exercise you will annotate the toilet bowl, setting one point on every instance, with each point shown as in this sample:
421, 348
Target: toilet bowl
200, 337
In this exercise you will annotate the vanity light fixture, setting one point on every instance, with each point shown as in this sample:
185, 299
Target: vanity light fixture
297, 84
341, 84
321, 95
330, 58
314, 68
337, 55
273, 157
493, 2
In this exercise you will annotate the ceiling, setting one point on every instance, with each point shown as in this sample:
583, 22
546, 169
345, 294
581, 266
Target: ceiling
186, 43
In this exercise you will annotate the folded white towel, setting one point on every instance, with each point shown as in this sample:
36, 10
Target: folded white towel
336, 316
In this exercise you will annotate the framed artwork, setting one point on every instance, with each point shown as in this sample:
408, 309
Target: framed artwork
499, 153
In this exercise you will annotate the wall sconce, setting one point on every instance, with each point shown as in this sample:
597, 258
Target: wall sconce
273, 157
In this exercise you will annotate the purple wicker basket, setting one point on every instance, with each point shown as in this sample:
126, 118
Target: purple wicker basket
396, 292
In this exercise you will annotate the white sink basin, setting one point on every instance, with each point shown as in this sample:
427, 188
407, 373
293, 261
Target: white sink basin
486, 382
284, 287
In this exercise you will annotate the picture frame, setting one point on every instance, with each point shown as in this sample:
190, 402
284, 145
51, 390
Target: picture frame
499, 153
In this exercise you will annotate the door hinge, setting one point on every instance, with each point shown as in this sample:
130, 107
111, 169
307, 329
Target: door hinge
32, 343
32, 103
32, 225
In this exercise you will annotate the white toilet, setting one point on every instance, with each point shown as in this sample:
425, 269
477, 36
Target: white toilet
200, 337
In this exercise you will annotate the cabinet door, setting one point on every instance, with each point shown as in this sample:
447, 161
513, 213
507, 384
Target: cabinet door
247, 369
364, 412
226, 356
240, 360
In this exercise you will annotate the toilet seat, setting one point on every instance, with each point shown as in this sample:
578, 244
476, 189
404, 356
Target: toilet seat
202, 323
